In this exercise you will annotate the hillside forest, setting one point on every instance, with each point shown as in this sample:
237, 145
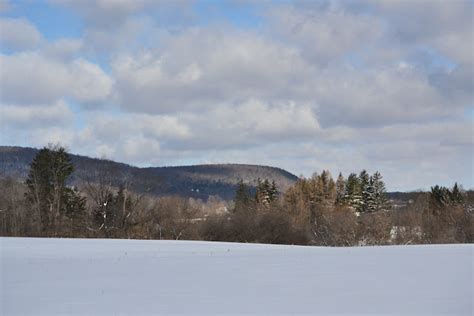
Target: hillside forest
320, 210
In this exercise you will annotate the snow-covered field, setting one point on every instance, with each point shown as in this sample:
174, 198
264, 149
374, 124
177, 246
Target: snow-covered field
96, 277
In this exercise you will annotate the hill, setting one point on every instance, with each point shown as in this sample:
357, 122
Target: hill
199, 181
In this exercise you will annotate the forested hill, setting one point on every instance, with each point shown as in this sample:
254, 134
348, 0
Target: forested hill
200, 181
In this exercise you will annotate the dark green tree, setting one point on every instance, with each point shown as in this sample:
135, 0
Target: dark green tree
379, 192
243, 199
370, 201
439, 197
273, 192
48, 193
456, 195
266, 192
365, 187
353, 194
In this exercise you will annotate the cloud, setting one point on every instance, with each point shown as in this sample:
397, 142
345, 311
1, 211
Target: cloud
250, 124
29, 78
324, 34
20, 117
64, 49
418, 23
311, 85
226, 126
230, 67
18, 34
105, 13
381, 96
108, 14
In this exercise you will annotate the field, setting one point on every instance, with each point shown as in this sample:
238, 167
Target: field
98, 277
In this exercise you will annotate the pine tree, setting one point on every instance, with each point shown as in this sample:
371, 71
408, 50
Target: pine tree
364, 181
380, 198
47, 191
340, 190
353, 191
273, 193
266, 192
439, 197
456, 195
370, 200
242, 197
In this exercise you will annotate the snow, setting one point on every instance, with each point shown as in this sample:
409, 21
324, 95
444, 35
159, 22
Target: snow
97, 277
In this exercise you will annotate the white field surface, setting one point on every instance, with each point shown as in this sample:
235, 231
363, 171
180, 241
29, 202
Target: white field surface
98, 277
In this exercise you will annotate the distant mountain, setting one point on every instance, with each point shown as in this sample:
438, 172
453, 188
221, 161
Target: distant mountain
200, 181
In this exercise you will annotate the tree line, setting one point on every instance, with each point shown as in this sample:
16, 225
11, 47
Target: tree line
318, 210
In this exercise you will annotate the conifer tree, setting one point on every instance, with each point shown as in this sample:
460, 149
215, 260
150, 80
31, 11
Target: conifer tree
266, 192
364, 181
379, 191
47, 191
340, 190
353, 191
456, 195
273, 193
370, 200
242, 197
439, 197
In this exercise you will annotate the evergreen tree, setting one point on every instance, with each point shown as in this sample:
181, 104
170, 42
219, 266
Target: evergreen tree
266, 192
340, 190
456, 195
47, 191
242, 197
379, 192
353, 191
439, 197
370, 200
364, 181
273, 193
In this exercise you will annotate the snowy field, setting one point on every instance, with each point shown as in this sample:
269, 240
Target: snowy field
98, 277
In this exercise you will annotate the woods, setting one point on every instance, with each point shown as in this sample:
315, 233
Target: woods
319, 210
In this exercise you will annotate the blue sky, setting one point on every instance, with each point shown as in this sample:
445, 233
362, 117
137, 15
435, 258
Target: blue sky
302, 85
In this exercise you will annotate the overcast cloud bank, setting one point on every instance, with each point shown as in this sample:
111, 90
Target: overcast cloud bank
305, 86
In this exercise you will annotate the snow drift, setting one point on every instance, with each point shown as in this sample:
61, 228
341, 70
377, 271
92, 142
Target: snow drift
98, 277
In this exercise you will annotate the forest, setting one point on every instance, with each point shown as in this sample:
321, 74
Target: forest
320, 210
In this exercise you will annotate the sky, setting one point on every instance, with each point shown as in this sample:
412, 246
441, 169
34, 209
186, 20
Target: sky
300, 85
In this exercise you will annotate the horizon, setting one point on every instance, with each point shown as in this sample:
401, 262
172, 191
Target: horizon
239, 164
302, 86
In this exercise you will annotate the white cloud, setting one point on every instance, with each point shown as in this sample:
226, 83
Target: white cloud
324, 35
18, 33
89, 83
250, 123
338, 85
381, 96
20, 117
223, 67
28, 78
443, 25
64, 49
